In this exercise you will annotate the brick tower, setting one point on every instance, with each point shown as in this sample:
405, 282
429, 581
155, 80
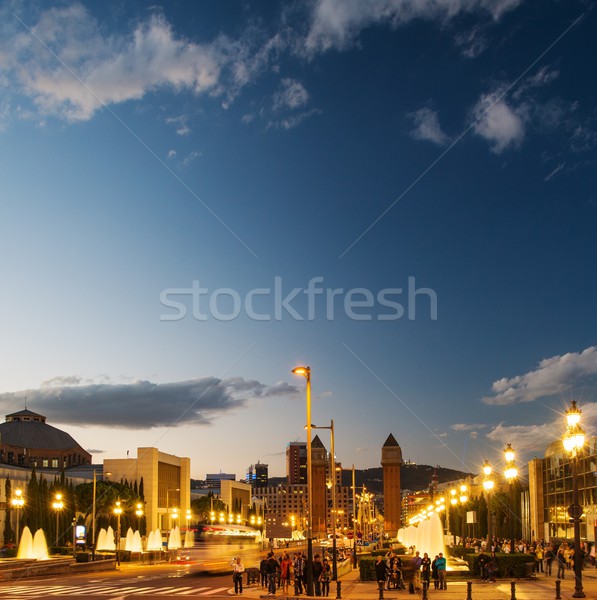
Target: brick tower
391, 459
319, 503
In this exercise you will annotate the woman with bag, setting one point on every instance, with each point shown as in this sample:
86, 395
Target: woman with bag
237, 574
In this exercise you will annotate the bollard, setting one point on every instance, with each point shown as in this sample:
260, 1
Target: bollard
338, 590
469, 590
425, 587
558, 584
381, 590
513, 590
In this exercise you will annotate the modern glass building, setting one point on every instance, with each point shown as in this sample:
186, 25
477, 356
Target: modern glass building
550, 490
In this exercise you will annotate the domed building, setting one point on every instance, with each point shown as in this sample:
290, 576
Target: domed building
26, 440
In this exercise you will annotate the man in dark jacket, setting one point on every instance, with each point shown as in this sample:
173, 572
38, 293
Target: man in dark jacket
273, 566
317, 569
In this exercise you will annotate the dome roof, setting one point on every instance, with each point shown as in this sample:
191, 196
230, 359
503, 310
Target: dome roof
26, 429
556, 447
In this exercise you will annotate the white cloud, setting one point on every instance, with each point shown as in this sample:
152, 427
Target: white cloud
471, 43
171, 153
427, 127
189, 158
337, 23
291, 95
467, 426
499, 124
93, 70
554, 376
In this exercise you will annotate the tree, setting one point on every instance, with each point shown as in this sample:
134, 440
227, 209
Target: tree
202, 507
9, 535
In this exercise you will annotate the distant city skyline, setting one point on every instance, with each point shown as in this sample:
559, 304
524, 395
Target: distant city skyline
198, 197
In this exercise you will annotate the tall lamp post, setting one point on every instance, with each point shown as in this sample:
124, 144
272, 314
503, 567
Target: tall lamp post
488, 484
463, 500
17, 503
118, 512
57, 505
574, 440
168, 505
333, 492
511, 473
306, 373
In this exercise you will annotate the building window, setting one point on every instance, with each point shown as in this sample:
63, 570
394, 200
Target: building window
44, 462
55, 463
10, 458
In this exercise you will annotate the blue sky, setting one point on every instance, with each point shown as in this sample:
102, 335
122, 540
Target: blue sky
332, 154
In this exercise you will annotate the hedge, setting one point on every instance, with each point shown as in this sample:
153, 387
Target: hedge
508, 565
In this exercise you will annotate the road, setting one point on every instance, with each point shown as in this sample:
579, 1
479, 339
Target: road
130, 581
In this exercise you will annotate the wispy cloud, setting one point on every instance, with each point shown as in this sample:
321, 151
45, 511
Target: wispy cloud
554, 376
467, 426
427, 127
143, 404
337, 23
292, 94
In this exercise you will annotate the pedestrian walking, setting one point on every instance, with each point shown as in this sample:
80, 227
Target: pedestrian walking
238, 570
441, 571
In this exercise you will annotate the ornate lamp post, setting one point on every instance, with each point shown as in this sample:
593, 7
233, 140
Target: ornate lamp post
511, 473
17, 503
306, 373
574, 440
488, 486
57, 505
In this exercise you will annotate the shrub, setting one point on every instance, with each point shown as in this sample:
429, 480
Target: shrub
367, 569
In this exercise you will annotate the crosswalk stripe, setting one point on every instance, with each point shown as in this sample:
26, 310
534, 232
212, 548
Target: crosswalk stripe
45, 591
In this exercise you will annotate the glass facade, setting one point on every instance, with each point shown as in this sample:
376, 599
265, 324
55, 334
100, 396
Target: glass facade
557, 488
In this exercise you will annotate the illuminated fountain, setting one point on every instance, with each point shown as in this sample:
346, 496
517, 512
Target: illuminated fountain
427, 536
174, 540
105, 540
154, 540
189, 539
133, 541
33, 547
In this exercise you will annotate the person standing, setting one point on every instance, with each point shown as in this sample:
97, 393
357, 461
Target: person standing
238, 570
285, 567
434, 574
263, 571
381, 573
299, 566
325, 577
549, 556
539, 558
273, 566
415, 563
441, 571
561, 560
483, 560
426, 569
317, 569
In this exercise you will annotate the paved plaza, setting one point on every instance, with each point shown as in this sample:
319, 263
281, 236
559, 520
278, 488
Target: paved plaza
542, 588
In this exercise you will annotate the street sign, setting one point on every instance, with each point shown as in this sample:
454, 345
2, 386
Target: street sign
350, 535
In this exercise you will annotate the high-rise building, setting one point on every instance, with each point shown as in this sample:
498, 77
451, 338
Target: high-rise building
257, 475
391, 459
296, 463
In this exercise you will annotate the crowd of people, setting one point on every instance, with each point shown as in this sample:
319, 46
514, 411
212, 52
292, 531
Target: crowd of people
291, 571
389, 571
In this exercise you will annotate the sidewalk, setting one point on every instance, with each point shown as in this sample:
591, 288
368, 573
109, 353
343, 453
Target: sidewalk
543, 588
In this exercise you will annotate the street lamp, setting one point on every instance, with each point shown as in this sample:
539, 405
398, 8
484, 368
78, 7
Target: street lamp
168, 505
488, 486
333, 492
306, 373
17, 503
511, 473
139, 513
463, 499
118, 512
57, 505
574, 440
